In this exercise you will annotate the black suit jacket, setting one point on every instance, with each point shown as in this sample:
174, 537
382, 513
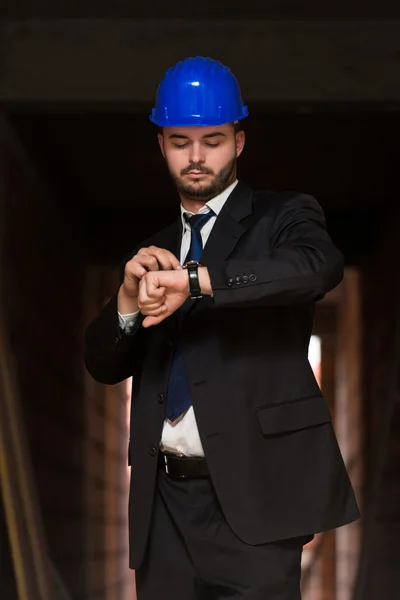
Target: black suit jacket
263, 422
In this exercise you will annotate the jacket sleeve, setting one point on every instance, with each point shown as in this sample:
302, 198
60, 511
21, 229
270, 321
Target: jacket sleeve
111, 354
300, 265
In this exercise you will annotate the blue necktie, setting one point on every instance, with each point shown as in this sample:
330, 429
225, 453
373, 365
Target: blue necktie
178, 394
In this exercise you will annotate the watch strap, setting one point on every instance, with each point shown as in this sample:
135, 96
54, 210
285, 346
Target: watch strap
193, 273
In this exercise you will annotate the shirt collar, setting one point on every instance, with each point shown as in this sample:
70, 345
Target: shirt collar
214, 204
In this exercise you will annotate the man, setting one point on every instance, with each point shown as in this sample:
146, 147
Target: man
235, 463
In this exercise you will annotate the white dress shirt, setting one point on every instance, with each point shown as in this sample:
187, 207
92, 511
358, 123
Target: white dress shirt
183, 437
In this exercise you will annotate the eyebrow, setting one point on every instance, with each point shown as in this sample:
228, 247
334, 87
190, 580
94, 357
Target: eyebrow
178, 136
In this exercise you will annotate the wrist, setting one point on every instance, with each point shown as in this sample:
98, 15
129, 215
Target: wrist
127, 303
205, 282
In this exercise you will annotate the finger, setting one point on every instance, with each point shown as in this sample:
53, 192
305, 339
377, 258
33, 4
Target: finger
150, 309
150, 257
134, 270
168, 261
161, 310
150, 304
143, 297
165, 258
148, 261
150, 289
149, 293
153, 290
156, 294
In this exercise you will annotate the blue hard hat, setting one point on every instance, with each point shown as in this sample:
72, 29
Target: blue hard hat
198, 91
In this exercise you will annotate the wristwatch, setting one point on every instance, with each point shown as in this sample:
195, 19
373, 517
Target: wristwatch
192, 267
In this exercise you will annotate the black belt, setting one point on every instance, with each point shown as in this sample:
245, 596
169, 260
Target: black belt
183, 467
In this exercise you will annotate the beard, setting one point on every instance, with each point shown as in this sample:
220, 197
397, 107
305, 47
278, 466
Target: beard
195, 191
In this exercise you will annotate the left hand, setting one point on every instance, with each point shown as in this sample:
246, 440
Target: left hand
161, 293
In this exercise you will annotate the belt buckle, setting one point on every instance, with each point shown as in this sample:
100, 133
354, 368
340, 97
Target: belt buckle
167, 469
166, 464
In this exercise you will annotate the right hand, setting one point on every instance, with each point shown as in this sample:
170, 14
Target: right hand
147, 259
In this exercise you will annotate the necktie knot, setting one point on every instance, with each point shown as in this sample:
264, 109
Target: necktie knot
197, 221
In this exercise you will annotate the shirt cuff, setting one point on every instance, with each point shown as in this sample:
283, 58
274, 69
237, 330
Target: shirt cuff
127, 322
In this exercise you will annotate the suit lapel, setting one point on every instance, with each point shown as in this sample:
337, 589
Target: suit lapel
228, 228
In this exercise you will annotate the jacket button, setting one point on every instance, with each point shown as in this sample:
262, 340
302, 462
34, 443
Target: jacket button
245, 279
253, 277
230, 281
238, 280
153, 451
160, 398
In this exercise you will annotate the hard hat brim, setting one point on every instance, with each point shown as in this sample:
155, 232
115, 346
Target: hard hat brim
198, 122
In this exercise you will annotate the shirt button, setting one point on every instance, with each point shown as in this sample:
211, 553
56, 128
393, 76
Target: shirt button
253, 277
153, 451
160, 398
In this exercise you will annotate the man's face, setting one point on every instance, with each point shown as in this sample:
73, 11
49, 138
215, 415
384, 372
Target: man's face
201, 160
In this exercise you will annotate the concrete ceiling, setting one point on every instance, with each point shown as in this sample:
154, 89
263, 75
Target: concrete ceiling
226, 9
123, 60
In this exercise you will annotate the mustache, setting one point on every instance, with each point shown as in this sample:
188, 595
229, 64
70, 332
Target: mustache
195, 167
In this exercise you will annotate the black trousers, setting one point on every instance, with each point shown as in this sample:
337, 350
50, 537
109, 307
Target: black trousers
194, 555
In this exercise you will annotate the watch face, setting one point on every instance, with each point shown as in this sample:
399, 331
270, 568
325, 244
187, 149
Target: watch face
191, 263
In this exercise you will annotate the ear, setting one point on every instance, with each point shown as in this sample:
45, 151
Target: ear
160, 138
240, 140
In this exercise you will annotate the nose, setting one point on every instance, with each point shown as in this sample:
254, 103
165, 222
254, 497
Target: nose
196, 154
